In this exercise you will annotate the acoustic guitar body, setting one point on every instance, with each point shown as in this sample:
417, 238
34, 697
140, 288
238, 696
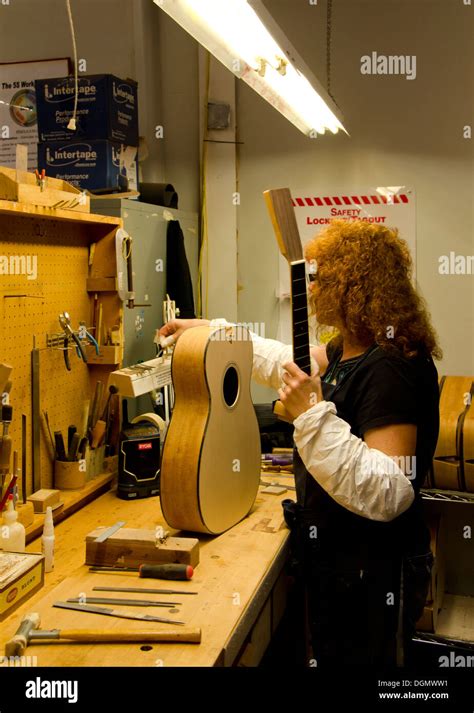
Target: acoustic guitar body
210, 467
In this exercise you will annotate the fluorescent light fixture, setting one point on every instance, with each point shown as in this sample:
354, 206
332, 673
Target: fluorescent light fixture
244, 37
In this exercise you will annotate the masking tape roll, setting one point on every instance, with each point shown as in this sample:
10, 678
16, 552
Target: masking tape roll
154, 419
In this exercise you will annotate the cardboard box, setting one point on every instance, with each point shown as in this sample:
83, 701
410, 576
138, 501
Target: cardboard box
27, 576
107, 109
89, 165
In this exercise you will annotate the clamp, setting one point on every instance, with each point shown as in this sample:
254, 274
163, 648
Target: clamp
84, 334
40, 178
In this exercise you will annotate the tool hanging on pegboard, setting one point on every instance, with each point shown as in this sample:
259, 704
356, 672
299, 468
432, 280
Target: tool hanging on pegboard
64, 341
123, 251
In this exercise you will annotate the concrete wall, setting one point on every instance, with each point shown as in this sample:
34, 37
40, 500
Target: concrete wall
402, 132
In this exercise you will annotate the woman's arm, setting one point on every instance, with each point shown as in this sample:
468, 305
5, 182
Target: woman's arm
269, 355
366, 477
361, 477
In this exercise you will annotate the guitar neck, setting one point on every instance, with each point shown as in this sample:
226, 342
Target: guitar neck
299, 316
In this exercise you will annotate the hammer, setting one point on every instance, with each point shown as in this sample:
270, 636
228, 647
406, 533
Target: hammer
29, 632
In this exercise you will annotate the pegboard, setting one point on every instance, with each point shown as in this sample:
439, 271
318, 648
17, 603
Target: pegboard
29, 308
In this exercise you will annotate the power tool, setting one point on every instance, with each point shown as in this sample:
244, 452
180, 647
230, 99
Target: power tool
139, 459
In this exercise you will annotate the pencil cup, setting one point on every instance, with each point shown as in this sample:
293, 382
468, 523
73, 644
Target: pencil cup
69, 475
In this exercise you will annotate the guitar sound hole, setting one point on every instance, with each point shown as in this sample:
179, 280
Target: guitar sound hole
231, 386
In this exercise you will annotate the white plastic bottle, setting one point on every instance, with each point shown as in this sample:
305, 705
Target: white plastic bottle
47, 541
12, 532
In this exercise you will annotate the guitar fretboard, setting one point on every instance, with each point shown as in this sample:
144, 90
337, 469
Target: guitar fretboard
299, 316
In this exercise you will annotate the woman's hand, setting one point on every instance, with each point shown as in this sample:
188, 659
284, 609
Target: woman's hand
172, 330
300, 391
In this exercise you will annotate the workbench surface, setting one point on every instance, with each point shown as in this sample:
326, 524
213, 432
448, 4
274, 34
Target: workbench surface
235, 576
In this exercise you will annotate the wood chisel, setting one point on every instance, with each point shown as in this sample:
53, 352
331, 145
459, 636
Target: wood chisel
73, 447
113, 601
114, 612
98, 433
85, 419
60, 450
71, 430
94, 412
139, 590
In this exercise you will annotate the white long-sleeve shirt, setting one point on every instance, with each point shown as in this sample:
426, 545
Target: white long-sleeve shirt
364, 480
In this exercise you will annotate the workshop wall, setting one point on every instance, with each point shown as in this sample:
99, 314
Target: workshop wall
402, 132
129, 38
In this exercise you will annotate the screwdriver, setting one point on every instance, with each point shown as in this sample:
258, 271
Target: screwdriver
153, 571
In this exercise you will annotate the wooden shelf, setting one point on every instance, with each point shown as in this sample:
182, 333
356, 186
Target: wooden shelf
27, 210
109, 355
101, 284
73, 500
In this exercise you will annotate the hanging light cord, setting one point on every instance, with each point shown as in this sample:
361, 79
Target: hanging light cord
328, 47
72, 122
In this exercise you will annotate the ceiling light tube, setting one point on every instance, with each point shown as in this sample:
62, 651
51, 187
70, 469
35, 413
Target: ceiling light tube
244, 37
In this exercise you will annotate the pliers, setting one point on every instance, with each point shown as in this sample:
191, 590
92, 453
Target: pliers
65, 322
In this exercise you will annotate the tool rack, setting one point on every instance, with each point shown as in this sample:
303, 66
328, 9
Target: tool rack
29, 310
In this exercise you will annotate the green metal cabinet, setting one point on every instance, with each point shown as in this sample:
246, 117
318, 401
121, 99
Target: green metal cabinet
147, 224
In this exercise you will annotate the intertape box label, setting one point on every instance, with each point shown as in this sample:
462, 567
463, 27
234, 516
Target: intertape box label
89, 165
107, 108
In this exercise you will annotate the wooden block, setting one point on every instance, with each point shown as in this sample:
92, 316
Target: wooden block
108, 355
44, 498
101, 284
26, 513
132, 547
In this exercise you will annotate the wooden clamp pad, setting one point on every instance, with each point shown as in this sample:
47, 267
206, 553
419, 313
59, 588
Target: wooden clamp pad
132, 547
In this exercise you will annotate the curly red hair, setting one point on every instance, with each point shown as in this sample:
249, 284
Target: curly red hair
363, 284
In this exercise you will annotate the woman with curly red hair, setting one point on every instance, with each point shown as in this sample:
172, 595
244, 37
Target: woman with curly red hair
365, 429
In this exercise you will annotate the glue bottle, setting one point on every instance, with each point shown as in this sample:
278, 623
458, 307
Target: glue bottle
12, 532
47, 540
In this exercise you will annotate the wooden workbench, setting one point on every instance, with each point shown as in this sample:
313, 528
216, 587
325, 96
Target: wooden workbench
240, 582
